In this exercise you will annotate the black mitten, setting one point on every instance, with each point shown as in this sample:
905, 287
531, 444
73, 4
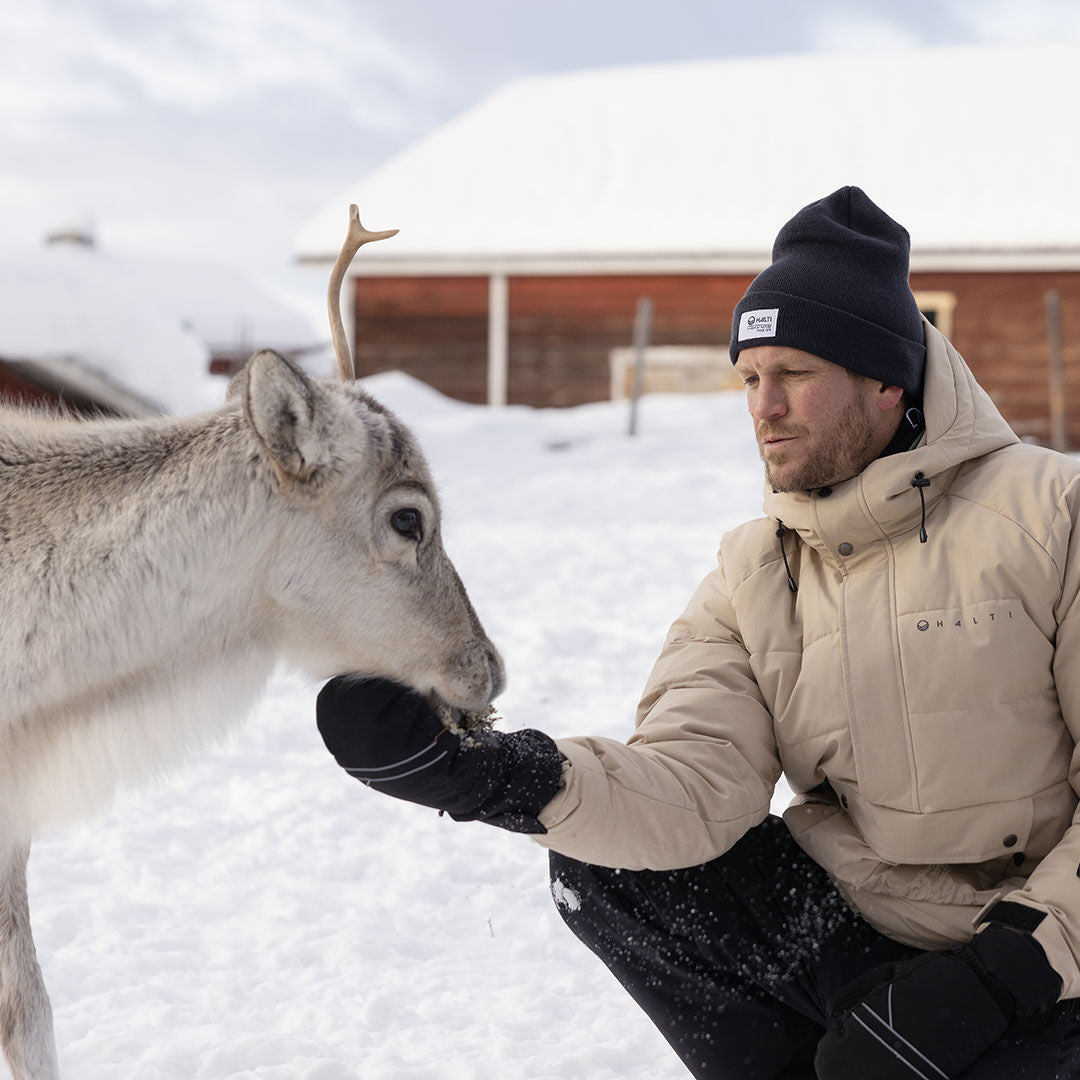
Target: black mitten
392, 739
935, 1015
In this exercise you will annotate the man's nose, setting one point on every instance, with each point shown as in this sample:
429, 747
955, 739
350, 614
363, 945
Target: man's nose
768, 402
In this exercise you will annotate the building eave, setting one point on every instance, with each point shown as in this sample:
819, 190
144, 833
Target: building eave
551, 265
996, 260
70, 376
954, 260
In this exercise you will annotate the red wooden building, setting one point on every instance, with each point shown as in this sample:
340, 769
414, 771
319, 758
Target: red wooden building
532, 224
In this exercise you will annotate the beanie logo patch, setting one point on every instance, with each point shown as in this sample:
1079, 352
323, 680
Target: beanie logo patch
758, 324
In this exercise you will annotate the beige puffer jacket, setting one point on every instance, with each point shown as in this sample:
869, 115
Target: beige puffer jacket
922, 698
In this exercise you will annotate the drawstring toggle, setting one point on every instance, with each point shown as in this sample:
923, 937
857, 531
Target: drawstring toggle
783, 551
919, 482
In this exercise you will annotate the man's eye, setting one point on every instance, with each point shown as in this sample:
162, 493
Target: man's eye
408, 523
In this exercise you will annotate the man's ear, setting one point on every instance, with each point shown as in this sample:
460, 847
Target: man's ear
287, 413
889, 397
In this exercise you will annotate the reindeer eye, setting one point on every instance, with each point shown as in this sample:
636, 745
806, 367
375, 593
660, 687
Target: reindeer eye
408, 523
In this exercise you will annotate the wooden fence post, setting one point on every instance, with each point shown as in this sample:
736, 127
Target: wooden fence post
1059, 432
498, 338
642, 334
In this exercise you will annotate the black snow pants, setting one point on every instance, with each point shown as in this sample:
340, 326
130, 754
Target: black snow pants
735, 960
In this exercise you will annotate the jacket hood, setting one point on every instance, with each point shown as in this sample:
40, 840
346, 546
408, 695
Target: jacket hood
962, 424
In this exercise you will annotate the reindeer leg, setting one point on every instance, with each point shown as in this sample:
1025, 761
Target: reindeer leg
26, 1029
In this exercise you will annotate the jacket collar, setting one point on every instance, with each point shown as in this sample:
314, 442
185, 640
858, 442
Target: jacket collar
962, 423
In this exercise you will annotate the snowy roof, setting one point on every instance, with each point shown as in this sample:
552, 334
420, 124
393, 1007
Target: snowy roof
77, 314
134, 333
974, 149
227, 309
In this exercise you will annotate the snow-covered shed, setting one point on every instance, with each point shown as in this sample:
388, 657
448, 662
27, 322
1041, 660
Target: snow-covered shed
132, 337
532, 223
233, 313
77, 328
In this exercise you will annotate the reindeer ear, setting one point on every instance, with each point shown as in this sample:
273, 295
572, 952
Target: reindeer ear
287, 412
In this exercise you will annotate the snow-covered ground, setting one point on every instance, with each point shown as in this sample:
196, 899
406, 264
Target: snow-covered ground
261, 916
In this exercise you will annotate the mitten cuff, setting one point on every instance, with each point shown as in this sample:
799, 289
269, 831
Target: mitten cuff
1014, 963
533, 775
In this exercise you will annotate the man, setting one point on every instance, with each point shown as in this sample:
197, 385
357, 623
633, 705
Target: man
900, 636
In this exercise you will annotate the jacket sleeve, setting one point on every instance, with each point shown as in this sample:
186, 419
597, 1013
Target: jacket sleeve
700, 768
1053, 888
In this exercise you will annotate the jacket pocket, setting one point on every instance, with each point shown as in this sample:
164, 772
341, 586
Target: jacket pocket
984, 719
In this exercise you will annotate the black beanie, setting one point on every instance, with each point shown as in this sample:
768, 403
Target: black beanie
838, 288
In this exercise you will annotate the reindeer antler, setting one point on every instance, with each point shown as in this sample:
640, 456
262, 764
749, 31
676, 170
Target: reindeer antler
356, 237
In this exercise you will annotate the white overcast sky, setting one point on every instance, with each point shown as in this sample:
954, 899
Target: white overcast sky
214, 128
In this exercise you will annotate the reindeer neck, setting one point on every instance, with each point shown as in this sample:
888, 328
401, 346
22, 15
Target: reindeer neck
151, 519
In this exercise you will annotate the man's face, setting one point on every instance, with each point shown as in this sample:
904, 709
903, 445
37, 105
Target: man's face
816, 423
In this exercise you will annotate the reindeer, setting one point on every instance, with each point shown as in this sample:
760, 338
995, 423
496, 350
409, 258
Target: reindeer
153, 573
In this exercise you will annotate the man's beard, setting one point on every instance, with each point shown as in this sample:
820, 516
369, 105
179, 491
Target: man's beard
842, 452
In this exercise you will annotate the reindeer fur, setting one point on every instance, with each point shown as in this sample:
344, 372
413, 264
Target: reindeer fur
155, 572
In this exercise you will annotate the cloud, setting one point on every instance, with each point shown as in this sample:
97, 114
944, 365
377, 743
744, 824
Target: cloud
846, 27
37, 76
199, 125
874, 25
194, 55
177, 123
1005, 20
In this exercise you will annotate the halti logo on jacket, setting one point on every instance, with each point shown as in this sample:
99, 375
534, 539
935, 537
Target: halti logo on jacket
760, 323
964, 621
